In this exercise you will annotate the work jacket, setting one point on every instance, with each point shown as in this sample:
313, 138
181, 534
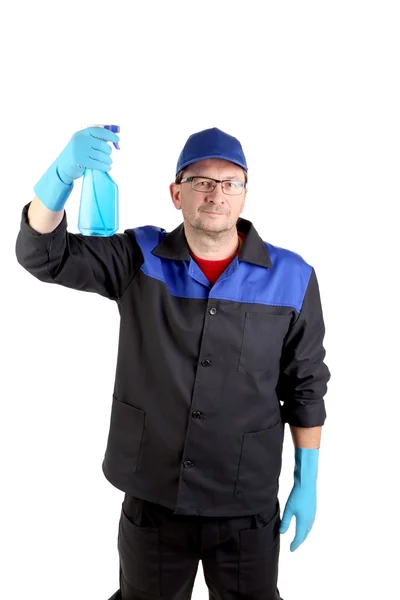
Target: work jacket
207, 374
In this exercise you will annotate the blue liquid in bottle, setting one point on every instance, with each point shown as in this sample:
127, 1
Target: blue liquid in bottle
98, 211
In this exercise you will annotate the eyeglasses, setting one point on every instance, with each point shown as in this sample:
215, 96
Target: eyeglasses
208, 184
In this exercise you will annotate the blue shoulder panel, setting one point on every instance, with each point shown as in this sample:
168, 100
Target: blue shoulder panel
283, 285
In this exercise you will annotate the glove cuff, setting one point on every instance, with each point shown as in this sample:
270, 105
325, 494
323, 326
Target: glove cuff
51, 191
306, 465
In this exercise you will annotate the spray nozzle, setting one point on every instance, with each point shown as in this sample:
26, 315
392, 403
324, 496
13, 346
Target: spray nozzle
114, 129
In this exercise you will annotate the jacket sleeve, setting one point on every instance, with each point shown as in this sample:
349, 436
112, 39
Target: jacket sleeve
102, 265
303, 375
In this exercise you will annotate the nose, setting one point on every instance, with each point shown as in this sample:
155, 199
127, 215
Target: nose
217, 192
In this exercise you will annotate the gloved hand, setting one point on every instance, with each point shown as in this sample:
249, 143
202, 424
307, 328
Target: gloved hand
88, 148
302, 501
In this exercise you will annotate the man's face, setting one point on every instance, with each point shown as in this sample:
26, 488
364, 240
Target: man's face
210, 211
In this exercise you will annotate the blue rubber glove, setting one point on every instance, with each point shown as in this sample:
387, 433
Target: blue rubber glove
302, 501
88, 148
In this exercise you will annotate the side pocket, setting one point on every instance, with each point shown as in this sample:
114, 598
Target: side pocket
139, 555
258, 560
125, 438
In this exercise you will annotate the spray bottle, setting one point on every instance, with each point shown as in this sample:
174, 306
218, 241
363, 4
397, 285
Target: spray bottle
98, 210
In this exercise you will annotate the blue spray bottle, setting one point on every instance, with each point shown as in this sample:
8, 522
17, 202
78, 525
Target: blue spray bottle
98, 210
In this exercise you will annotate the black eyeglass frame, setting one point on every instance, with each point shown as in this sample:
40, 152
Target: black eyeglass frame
243, 184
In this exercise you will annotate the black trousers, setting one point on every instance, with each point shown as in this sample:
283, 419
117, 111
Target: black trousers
160, 552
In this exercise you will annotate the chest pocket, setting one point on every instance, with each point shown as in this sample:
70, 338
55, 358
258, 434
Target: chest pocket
262, 341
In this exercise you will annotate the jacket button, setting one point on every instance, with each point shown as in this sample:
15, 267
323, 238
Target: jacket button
213, 311
196, 414
187, 463
205, 362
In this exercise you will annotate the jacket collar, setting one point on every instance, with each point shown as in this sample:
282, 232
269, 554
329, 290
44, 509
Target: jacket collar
174, 245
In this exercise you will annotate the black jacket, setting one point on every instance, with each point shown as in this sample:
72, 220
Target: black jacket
206, 375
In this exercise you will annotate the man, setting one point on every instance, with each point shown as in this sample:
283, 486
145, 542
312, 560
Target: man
221, 344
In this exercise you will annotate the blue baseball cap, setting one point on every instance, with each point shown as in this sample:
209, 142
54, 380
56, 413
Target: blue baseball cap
211, 143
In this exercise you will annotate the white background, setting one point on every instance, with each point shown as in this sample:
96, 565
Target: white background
311, 89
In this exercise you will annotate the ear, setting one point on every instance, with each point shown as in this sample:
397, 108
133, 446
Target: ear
244, 201
175, 191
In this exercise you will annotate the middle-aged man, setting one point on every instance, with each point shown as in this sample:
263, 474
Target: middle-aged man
221, 344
